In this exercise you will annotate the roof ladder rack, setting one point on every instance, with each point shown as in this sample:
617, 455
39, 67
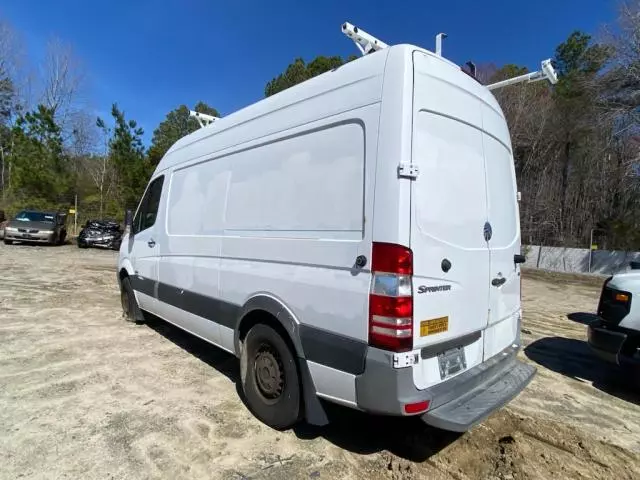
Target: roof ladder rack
366, 43
203, 119
546, 72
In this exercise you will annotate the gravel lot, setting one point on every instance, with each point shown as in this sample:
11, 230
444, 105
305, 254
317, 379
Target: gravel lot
83, 394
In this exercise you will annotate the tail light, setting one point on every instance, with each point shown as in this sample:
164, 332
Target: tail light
391, 298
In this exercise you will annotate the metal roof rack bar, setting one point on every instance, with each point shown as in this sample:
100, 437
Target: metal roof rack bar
203, 119
367, 43
546, 72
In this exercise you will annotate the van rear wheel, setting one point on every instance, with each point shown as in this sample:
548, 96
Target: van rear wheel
270, 379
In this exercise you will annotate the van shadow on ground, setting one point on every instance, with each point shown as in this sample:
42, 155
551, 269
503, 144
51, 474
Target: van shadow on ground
408, 438
574, 359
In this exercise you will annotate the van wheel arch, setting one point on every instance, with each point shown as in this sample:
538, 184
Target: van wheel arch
266, 310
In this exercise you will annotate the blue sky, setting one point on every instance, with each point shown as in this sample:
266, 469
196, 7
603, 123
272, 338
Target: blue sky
151, 56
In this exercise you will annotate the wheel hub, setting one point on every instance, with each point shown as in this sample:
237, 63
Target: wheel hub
269, 373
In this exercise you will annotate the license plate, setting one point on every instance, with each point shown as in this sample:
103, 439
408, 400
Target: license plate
451, 362
26, 235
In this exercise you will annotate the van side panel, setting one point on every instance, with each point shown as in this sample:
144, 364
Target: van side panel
348, 87
308, 185
301, 242
190, 257
285, 213
303, 250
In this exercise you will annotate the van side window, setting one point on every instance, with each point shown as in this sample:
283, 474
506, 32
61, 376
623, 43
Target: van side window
148, 211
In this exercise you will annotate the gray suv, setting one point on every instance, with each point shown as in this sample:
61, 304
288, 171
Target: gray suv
37, 227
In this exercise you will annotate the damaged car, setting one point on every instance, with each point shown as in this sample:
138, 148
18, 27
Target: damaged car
100, 233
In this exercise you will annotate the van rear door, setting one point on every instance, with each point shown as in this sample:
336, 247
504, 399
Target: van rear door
448, 223
504, 244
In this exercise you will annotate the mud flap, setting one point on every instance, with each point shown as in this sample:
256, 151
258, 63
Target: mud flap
314, 412
138, 314
461, 414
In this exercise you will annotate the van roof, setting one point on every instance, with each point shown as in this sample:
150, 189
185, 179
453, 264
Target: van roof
371, 65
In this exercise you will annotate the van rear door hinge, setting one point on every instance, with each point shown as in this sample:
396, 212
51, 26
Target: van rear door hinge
408, 170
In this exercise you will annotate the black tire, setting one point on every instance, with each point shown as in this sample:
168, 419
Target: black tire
130, 310
63, 238
270, 378
8, 242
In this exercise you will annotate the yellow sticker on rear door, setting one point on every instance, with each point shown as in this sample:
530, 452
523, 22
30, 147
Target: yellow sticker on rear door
436, 325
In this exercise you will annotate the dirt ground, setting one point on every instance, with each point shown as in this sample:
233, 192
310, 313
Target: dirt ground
85, 395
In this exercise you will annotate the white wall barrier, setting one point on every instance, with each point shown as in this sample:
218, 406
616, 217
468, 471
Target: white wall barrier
576, 260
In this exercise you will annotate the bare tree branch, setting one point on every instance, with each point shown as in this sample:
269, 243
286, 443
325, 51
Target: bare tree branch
63, 81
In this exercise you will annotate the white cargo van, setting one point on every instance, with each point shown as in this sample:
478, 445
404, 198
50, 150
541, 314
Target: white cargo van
354, 238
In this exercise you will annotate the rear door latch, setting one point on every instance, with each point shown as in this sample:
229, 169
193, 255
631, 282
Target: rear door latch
408, 170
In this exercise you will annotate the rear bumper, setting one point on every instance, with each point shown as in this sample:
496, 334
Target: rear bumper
614, 344
456, 404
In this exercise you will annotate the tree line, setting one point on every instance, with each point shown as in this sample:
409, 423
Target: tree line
53, 151
576, 145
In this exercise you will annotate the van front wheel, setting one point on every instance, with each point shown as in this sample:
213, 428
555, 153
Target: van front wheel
270, 378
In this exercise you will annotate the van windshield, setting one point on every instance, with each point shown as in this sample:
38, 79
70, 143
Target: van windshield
25, 216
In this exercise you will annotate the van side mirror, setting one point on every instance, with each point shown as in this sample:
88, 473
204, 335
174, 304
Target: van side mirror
128, 221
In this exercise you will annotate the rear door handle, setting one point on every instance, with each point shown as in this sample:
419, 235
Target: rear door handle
151, 243
496, 282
